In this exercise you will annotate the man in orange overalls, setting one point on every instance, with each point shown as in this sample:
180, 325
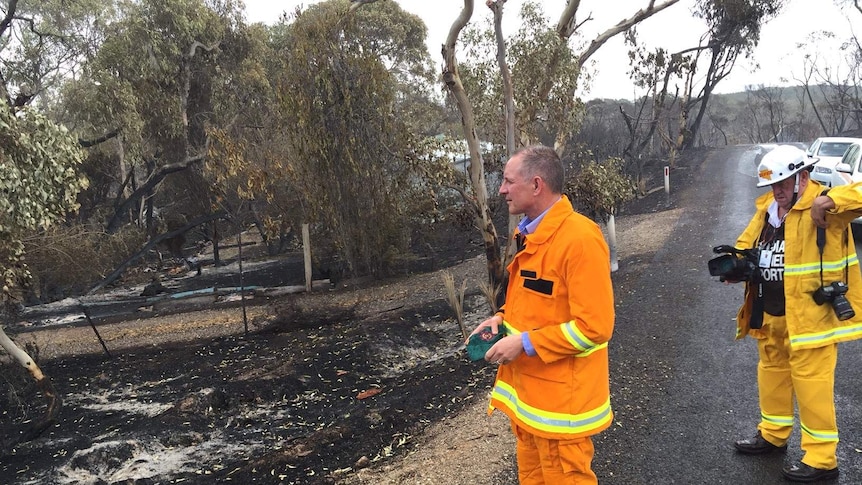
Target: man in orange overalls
558, 315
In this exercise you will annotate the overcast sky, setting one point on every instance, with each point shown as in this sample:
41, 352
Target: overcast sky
778, 55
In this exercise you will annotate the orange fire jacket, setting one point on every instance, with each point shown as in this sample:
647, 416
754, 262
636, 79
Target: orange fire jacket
560, 292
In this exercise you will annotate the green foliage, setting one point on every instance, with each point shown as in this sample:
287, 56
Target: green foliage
349, 156
39, 183
736, 24
530, 51
601, 188
44, 41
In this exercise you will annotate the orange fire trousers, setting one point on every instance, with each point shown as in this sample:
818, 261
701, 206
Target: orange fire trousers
807, 374
554, 462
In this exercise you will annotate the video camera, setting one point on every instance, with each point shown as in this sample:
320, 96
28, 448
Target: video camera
735, 264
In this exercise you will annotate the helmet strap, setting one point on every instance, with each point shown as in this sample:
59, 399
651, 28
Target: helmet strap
795, 191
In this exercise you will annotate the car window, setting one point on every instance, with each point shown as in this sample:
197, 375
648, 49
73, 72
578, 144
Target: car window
832, 149
855, 153
851, 157
813, 148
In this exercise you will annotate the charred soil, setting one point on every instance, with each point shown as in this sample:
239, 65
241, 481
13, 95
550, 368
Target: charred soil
336, 386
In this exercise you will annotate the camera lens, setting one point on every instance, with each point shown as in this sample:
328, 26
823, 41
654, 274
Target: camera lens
842, 307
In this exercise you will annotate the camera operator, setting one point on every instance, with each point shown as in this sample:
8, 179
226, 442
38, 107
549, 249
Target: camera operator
797, 342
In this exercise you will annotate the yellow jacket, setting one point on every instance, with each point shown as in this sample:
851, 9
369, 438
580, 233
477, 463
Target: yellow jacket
560, 292
811, 325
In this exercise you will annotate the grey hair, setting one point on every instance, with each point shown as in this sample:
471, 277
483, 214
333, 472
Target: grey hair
542, 161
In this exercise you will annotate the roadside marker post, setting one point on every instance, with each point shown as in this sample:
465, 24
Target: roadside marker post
666, 179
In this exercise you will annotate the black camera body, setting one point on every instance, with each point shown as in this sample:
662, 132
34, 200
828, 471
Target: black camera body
833, 294
735, 264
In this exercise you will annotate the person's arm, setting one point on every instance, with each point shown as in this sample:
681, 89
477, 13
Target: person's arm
590, 301
844, 201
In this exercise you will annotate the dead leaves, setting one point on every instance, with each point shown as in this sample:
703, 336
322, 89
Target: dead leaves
368, 393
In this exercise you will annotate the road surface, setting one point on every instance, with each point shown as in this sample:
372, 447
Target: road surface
683, 389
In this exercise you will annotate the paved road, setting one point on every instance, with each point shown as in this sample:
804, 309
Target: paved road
683, 389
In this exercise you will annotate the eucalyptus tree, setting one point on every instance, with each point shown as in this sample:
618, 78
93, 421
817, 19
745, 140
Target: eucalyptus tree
733, 30
39, 183
649, 120
832, 82
42, 44
39, 160
149, 87
674, 84
765, 110
349, 157
543, 79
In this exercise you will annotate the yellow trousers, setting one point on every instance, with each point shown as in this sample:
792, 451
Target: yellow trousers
807, 374
554, 462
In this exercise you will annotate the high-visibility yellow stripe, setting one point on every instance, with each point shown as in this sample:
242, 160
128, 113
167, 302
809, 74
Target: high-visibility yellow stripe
814, 267
510, 330
577, 338
594, 349
777, 420
820, 435
579, 341
832, 335
548, 421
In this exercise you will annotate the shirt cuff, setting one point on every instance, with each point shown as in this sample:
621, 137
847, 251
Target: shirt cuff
528, 346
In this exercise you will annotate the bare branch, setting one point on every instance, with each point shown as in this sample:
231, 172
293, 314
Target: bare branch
155, 178
107, 136
567, 24
356, 4
10, 14
196, 44
622, 26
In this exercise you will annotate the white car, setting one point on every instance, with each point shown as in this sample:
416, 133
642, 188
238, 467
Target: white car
849, 169
828, 152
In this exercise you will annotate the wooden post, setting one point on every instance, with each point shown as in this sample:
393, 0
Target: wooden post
306, 251
241, 282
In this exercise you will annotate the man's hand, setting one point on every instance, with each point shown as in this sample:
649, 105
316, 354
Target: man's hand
506, 350
819, 208
493, 322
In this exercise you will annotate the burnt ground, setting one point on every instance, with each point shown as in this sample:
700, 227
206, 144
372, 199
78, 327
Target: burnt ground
320, 383
321, 386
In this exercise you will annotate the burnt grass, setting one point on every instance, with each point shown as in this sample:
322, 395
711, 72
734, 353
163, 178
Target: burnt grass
307, 397
296, 403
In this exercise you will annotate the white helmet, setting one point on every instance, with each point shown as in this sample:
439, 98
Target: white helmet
780, 163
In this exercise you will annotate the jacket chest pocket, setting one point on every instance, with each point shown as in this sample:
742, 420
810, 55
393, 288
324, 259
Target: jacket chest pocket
540, 286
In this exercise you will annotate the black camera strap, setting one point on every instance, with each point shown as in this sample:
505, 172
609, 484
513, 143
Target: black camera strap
821, 244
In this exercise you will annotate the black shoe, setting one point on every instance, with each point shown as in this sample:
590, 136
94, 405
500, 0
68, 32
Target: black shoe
800, 472
757, 446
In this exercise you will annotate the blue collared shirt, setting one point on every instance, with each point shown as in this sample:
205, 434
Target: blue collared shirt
528, 226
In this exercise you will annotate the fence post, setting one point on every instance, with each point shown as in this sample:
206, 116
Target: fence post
306, 251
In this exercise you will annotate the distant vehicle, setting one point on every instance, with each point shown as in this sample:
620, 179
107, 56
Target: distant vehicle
828, 152
849, 169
